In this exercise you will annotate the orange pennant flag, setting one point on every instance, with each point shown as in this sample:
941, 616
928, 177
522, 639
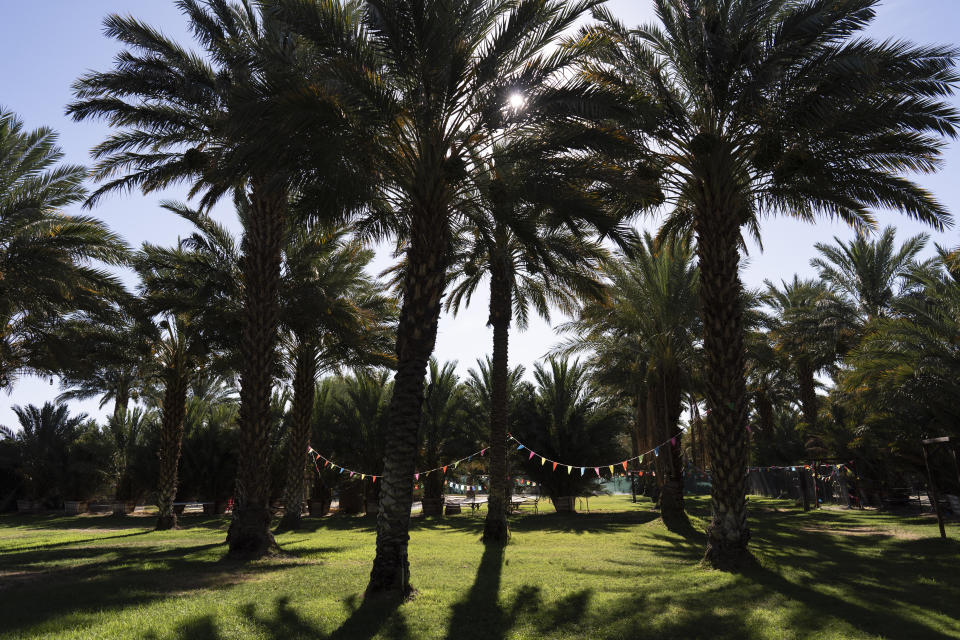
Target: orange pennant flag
624, 463
444, 469
554, 466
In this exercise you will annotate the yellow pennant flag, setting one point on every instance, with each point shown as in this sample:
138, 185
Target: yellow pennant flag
611, 469
569, 469
543, 461
362, 476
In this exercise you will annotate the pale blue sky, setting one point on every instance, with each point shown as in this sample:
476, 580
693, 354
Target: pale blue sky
45, 45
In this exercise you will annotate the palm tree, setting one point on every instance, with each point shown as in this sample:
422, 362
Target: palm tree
448, 429
107, 357
767, 107
193, 118
47, 258
870, 273
806, 325
433, 79
46, 436
336, 315
645, 341
548, 266
565, 418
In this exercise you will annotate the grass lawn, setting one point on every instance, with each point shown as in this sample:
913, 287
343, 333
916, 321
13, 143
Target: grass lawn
612, 573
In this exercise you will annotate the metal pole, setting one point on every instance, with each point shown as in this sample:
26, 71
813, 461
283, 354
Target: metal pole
936, 494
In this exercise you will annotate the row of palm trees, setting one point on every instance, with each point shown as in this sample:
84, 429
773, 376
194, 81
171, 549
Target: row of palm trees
478, 129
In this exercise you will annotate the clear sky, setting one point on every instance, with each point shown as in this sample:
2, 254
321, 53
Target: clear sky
46, 45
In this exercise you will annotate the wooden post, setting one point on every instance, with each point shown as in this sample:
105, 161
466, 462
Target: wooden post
933, 487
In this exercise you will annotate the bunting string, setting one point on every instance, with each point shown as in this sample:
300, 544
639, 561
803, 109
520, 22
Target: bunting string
327, 462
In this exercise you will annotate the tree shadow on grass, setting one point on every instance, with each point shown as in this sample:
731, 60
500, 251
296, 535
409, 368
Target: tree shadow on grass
285, 622
480, 614
600, 522
43, 585
109, 521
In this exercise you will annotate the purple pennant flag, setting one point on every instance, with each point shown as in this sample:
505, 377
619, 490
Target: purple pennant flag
673, 441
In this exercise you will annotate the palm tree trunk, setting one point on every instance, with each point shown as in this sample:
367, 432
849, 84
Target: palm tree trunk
121, 401
304, 380
718, 238
249, 535
171, 438
416, 337
495, 528
672, 510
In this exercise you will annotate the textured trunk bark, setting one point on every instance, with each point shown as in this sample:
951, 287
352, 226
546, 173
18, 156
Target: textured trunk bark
249, 535
121, 402
809, 403
171, 438
671, 501
304, 380
495, 528
416, 336
718, 238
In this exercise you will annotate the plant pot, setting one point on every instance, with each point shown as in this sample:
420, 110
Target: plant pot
123, 508
319, 508
433, 506
74, 507
565, 504
27, 506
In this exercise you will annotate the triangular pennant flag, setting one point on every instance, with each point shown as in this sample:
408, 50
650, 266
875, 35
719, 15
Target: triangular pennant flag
624, 463
519, 447
363, 476
611, 469
444, 469
351, 474
530, 457
543, 461
673, 441
597, 470
554, 466
656, 452
416, 476
582, 470
569, 469
326, 462
483, 451
375, 479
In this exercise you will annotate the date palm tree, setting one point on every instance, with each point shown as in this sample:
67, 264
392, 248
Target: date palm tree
434, 78
645, 342
336, 315
548, 266
871, 273
772, 107
194, 118
48, 259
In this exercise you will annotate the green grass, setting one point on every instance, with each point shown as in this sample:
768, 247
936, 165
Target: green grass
612, 573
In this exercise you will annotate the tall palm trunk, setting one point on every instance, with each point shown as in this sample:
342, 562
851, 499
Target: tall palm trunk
171, 438
304, 391
501, 313
416, 337
121, 400
718, 238
667, 409
809, 406
249, 534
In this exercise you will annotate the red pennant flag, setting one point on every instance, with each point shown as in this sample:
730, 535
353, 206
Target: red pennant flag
326, 462
624, 463
554, 466
374, 478
444, 469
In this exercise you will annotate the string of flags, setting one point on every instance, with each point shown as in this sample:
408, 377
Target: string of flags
317, 457
598, 469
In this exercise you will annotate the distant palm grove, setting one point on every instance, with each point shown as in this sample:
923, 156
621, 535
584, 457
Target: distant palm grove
511, 147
